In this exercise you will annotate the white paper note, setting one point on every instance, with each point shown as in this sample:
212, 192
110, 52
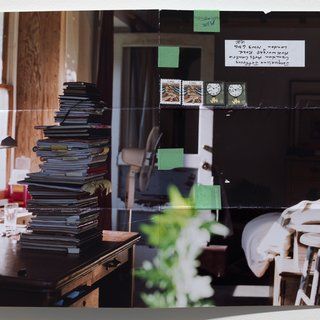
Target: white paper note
265, 53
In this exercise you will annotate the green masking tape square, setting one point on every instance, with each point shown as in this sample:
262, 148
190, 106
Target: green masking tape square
168, 57
207, 197
206, 21
170, 158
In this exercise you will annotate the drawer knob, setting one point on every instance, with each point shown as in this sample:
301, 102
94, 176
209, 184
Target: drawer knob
112, 264
22, 272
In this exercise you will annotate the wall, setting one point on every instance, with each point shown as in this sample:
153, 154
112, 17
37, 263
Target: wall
3, 115
38, 77
1, 40
52, 47
252, 145
80, 47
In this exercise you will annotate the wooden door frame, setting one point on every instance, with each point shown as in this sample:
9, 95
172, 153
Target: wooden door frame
9, 72
9, 89
125, 40
5, 43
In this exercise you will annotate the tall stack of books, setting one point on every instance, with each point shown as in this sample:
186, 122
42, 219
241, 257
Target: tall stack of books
73, 157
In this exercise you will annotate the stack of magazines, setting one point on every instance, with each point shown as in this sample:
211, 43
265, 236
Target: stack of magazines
73, 156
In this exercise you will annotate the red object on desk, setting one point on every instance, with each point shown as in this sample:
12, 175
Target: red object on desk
18, 193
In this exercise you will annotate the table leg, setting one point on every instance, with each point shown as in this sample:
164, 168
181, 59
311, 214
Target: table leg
117, 289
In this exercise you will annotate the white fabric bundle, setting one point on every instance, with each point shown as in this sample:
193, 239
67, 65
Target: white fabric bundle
270, 234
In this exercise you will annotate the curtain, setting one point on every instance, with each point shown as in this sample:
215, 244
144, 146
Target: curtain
104, 83
141, 98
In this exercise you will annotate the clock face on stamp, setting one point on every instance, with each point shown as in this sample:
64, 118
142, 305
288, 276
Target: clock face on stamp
213, 89
235, 90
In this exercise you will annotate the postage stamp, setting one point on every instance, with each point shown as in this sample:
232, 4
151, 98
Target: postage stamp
170, 91
236, 94
192, 93
214, 93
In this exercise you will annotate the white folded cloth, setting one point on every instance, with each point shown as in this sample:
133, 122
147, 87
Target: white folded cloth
253, 234
270, 234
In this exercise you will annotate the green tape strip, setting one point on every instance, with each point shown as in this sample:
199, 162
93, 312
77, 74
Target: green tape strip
207, 197
206, 21
168, 57
170, 158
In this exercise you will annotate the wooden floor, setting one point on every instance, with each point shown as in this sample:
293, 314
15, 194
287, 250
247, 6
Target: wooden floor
239, 287
225, 295
242, 295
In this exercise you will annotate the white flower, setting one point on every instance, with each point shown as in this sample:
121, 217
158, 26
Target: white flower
189, 286
147, 265
189, 245
200, 288
220, 229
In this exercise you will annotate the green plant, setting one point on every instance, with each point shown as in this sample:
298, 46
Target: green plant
180, 233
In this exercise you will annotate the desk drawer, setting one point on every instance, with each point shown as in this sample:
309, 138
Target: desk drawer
110, 265
97, 272
91, 300
79, 298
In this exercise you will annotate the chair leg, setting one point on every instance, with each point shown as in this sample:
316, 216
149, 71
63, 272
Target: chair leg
277, 288
315, 282
304, 281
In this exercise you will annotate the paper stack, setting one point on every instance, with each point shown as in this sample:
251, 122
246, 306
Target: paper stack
74, 156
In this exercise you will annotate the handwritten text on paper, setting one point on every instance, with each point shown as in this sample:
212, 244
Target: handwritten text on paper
264, 53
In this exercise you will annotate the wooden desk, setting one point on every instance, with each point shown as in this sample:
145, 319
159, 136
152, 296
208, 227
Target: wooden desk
102, 275
286, 281
287, 271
